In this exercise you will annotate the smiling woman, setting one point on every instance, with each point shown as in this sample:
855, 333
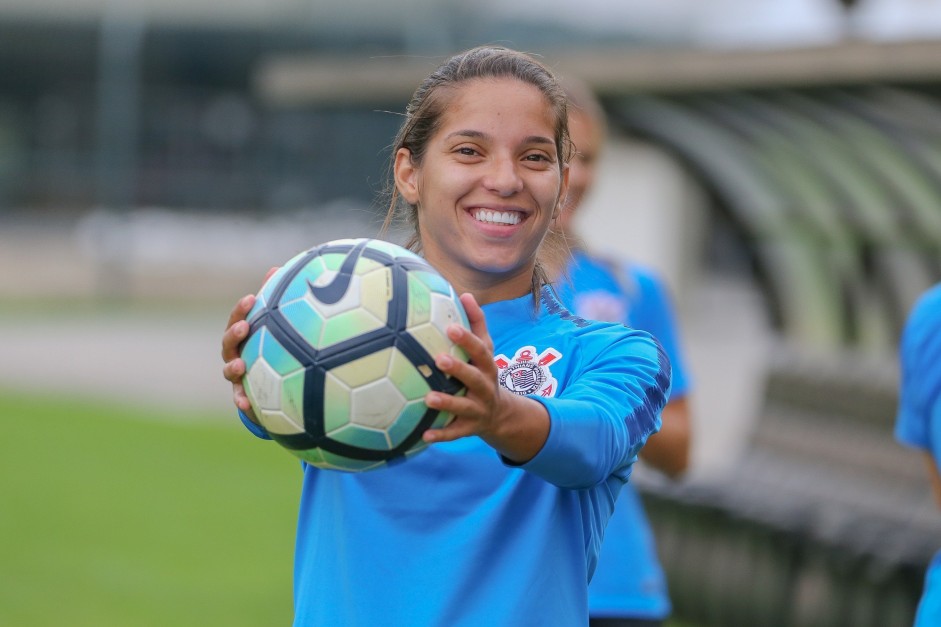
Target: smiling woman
486, 187
499, 522
521, 96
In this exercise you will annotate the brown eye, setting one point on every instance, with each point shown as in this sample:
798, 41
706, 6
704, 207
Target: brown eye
538, 157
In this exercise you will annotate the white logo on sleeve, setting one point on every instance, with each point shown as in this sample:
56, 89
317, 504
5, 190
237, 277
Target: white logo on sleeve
603, 306
527, 372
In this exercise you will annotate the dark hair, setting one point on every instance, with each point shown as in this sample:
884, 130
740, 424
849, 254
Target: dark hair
428, 104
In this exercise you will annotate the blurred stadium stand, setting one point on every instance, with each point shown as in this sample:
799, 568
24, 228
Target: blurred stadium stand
832, 184
823, 520
821, 168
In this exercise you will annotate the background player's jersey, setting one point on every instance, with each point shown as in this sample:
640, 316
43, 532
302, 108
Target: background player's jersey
918, 423
629, 580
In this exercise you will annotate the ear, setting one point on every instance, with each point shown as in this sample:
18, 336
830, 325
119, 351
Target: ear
563, 192
406, 176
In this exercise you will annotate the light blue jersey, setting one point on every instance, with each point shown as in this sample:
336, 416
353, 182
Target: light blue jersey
918, 423
629, 580
457, 536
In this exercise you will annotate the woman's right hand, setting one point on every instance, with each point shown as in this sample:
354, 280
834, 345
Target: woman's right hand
235, 333
234, 368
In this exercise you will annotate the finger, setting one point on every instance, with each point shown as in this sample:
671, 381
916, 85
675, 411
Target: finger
271, 271
457, 404
232, 339
456, 430
233, 370
470, 375
241, 309
475, 316
242, 401
479, 351
236, 329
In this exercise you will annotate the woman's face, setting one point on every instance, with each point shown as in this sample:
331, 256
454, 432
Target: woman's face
488, 187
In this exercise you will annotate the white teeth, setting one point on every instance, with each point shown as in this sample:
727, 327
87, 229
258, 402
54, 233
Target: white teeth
497, 217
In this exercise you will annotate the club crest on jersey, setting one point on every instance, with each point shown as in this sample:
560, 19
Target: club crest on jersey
528, 372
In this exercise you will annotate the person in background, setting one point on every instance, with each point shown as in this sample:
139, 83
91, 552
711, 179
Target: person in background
629, 587
499, 522
918, 421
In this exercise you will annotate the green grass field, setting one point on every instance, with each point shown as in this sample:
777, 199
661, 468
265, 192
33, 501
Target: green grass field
123, 516
115, 516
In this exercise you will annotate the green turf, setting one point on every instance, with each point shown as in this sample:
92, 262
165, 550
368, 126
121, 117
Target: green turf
112, 515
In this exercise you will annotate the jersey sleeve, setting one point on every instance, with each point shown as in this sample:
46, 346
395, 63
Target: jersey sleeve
652, 310
604, 416
251, 426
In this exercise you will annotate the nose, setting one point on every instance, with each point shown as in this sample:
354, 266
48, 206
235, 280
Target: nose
503, 177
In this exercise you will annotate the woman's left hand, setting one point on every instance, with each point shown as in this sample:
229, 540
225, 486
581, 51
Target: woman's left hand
516, 426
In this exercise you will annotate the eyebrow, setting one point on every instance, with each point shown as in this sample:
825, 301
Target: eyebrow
532, 139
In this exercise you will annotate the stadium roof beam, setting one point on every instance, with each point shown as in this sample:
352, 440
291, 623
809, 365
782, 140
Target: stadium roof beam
305, 80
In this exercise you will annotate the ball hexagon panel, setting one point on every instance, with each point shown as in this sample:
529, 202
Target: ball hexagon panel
263, 386
305, 320
435, 282
347, 326
364, 370
292, 397
274, 383
359, 402
432, 334
250, 350
276, 355
361, 437
376, 292
336, 404
376, 405
278, 423
419, 301
405, 423
408, 379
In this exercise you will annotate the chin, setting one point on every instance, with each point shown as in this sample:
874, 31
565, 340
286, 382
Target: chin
506, 270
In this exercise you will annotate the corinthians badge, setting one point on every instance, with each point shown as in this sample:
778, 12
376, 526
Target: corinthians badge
527, 372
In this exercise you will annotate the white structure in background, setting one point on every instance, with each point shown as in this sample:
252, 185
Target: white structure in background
736, 23
644, 205
732, 23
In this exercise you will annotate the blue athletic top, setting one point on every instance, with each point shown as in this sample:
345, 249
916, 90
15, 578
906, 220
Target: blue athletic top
457, 536
918, 423
629, 580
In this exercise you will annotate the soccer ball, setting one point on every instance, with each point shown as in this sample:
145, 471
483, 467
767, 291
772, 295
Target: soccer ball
340, 353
